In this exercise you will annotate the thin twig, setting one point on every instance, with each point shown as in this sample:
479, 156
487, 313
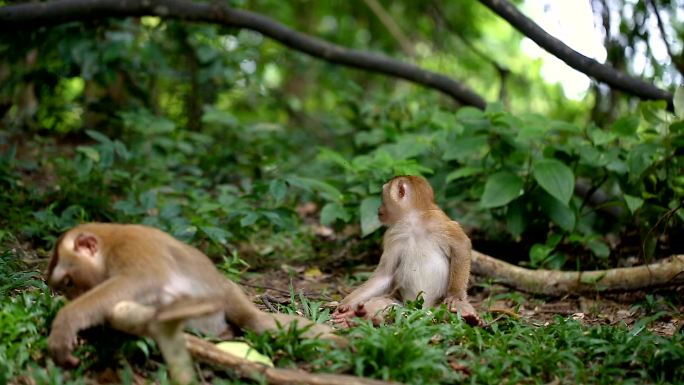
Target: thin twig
265, 299
391, 26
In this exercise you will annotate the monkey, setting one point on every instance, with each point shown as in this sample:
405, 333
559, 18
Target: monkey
97, 265
424, 252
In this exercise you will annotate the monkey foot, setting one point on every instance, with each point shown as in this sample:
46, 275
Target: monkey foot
344, 315
465, 309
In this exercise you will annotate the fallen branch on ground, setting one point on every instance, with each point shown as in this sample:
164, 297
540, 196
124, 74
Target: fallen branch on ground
209, 353
667, 272
165, 327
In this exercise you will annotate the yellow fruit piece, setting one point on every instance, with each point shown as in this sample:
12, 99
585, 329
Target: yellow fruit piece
313, 272
243, 350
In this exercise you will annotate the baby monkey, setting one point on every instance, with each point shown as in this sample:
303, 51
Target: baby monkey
424, 252
97, 265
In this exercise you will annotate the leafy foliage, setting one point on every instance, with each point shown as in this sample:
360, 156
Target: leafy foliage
522, 170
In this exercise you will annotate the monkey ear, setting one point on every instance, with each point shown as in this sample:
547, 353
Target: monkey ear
86, 244
402, 189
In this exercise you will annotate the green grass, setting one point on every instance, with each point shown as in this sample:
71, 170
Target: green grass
419, 346
416, 347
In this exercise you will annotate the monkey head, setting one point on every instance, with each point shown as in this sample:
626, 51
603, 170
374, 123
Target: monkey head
403, 195
77, 264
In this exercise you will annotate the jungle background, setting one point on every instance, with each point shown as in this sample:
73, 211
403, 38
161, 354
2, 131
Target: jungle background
271, 161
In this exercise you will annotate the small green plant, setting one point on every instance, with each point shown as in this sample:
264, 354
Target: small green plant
233, 266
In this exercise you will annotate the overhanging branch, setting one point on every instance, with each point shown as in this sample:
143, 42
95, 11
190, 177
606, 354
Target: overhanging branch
574, 59
32, 15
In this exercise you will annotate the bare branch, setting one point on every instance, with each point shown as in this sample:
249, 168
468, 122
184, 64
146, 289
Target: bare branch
25, 16
574, 59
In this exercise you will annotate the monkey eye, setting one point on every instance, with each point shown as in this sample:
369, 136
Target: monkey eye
67, 282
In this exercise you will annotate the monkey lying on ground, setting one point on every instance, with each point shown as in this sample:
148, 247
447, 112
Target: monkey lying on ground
424, 252
97, 265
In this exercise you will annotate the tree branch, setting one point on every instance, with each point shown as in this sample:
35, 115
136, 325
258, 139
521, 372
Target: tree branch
32, 15
574, 59
679, 64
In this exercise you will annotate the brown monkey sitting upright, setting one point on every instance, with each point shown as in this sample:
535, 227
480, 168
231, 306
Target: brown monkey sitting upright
97, 265
424, 252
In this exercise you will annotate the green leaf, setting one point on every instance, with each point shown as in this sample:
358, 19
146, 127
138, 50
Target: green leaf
617, 166
328, 191
653, 111
89, 152
678, 101
599, 136
626, 126
555, 178
368, 211
277, 189
334, 157
500, 189
332, 212
591, 156
98, 136
599, 248
559, 213
677, 127
408, 146
218, 117
633, 203
538, 253
640, 158
515, 218
249, 219
463, 172
466, 147
494, 108
148, 200
216, 234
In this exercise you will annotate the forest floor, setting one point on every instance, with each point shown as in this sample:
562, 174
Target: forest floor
270, 287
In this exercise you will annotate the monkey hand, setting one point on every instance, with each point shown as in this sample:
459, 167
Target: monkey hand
462, 306
60, 346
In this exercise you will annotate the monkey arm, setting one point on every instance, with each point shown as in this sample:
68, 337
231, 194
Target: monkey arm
87, 310
460, 250
459, 267
377, 285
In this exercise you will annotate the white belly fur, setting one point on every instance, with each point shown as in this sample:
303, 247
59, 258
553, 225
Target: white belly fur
180, 287
423, 269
